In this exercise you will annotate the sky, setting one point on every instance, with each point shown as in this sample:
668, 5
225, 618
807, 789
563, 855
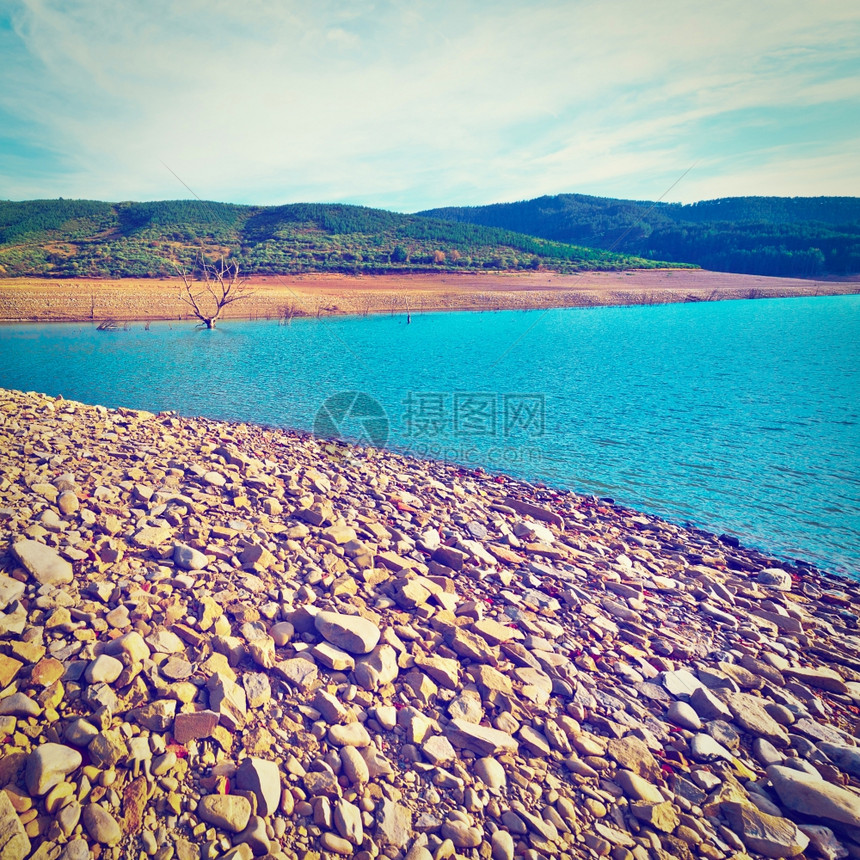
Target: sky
409, 105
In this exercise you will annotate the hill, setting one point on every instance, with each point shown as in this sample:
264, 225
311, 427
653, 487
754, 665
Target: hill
87, 238
784, 236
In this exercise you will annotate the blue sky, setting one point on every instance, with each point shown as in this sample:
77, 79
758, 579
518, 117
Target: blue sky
410, 105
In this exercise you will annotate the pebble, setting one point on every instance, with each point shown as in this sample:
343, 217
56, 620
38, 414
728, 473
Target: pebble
48, 765
255, 836
351, 633
188, 558
350, 735
502, 845
101, 825
774, 577
684, 715
491, 773
103, 670
230, 812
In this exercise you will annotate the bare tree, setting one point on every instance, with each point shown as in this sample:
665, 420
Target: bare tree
211, 287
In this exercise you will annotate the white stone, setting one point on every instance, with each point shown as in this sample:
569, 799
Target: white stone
43, 563
352, 633
103, 670
48, 765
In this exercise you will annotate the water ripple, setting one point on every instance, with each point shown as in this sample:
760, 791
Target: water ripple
741, 417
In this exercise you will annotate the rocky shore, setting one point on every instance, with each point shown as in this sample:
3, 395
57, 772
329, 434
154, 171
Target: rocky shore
273, 297
224, 641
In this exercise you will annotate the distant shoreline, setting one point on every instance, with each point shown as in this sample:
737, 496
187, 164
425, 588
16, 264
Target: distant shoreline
273, 297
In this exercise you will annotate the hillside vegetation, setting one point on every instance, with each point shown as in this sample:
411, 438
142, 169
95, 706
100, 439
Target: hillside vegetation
784, 236
87, 238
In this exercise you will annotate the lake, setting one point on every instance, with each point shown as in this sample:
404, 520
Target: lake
740, 417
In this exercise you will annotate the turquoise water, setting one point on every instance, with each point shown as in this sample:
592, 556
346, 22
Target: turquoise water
741, 417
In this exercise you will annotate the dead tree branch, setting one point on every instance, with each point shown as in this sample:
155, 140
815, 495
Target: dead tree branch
211, 287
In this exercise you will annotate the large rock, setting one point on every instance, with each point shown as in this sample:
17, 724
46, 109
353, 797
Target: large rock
707, 706
680, 682
107, 749
104, 669
299, 671
811, 795
393, 824
844, 757
264, 779
333, 658
443, 670
774, 577
48, 765
253, 840
19, 705
637, 788
705, 748
354, 765
188, 558
347, 819
150, 537
227, 811
13, 621
378, 668
14, 842
749, 713
684, 715
352, 633
481, 740
10, 591
9, 668
156, 716
101, 825
765, 834
43, 563
228, 700
661, 816
491, 773
131, 644
535, 511
824, 842
820, 678
350, 735
194, 725
633, 754
502, 845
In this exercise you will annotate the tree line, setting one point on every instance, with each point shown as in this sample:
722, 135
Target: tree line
788, 236
63, 238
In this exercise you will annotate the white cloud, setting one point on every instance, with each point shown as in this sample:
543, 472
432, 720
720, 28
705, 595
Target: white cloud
421, 104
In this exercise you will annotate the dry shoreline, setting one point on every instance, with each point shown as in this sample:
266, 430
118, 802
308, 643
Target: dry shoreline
219, 640
31, 299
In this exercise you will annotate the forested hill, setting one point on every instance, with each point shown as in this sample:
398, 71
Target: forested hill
789, 236
85, 238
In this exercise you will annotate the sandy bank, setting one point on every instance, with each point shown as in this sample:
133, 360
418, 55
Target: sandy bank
318, 295
224, 641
